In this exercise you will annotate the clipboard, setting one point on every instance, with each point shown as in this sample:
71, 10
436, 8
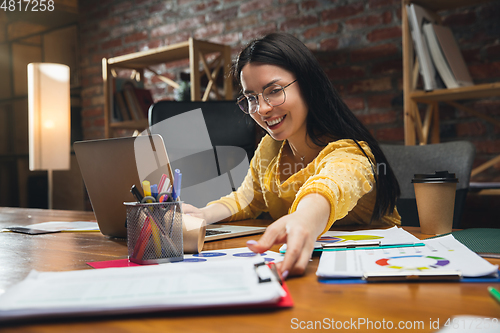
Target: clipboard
241, 284
421, 276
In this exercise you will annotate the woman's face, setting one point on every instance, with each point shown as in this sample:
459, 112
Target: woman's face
286, 121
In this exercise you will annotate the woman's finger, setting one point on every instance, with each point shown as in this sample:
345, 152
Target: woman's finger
274, 234
296, 246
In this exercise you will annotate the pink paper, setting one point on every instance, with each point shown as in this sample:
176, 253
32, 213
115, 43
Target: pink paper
112, 263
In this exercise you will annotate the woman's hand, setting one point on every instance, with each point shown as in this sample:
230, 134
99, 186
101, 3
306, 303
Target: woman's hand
193, 211
211, 214
299, 230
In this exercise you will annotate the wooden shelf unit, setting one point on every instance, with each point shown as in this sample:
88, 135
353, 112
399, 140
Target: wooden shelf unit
192, 49
416, 129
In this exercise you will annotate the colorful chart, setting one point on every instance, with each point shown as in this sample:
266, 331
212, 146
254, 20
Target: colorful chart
417, 262
210, 254
339, 239
193, 260
247, 254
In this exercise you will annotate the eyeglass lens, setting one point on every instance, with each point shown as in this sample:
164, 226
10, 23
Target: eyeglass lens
274, 95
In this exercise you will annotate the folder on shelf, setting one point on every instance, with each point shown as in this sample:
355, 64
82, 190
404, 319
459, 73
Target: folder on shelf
417, 16
146, 289
446, 56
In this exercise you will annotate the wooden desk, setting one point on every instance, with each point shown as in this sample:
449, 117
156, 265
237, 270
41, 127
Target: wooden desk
314, 301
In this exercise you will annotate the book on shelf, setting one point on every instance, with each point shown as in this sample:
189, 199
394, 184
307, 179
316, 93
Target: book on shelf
131, 101
144, 99
417, 17
132, 104
122, 112
446, 56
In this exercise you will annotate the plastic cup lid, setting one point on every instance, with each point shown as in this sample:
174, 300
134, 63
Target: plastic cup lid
437, 177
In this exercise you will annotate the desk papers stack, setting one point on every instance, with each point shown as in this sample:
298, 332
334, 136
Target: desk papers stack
442, 255
238, 283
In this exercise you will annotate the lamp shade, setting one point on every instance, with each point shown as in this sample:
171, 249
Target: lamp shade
49, 119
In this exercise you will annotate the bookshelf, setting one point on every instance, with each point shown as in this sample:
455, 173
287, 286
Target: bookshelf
423, 131
194, 50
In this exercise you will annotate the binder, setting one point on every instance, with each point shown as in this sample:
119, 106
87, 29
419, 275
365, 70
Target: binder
446, 56
417, 16
147, 289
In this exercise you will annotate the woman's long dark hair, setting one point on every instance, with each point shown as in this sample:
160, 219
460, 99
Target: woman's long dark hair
328, 116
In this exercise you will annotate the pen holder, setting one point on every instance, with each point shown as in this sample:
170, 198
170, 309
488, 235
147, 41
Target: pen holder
154, 232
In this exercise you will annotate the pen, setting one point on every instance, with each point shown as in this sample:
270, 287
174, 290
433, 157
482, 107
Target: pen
176, 192
494, 293
369, 247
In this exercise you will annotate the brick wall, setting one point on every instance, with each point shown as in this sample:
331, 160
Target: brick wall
358, 42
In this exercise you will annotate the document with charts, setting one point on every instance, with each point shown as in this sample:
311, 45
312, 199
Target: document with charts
379, 237
390, 236
439, 254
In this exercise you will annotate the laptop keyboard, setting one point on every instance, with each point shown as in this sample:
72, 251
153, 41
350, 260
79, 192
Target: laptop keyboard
211, 232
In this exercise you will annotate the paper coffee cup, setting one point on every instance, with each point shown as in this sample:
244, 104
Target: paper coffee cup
193, 233
435, 195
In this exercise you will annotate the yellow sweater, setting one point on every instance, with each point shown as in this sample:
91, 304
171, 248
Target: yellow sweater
340, 172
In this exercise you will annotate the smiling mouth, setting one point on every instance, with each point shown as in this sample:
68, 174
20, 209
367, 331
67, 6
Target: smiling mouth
275, 121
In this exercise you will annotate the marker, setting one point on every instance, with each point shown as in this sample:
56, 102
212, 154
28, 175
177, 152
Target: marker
164, 183
136, 193
154, 190
156, 238
494, 293
176, 191
146, 188
162, 197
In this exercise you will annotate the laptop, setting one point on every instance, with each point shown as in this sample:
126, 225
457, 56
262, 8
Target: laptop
109, 170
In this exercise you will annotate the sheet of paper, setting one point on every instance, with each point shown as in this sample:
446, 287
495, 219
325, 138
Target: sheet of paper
204, 256
231, 254
390, 236
137, 289
65, 226
444, 253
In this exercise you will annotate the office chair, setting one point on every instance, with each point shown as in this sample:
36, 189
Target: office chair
455, 157
212, 147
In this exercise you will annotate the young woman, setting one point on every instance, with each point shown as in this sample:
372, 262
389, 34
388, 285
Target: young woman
317, 165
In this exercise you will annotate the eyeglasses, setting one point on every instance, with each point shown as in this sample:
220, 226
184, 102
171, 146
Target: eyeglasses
274, 95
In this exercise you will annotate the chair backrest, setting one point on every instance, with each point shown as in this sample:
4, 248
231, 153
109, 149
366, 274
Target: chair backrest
211, 147
455, 157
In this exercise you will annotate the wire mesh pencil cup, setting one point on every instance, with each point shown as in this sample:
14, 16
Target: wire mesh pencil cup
154, 232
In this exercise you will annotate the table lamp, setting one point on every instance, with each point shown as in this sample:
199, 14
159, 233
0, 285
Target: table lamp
49, 122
